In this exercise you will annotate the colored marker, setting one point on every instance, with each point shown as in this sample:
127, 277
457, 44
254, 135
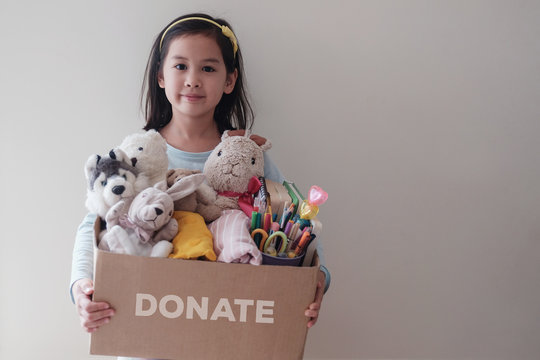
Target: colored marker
253, 220
303, 241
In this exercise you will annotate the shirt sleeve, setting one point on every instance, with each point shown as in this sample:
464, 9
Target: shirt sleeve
82, 266
271, 171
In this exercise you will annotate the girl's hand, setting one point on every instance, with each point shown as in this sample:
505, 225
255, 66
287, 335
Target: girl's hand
314, 308
92, 314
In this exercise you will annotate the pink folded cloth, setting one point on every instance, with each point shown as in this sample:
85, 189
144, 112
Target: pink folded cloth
232, 241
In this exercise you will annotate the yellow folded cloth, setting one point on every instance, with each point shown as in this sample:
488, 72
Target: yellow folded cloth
193, 240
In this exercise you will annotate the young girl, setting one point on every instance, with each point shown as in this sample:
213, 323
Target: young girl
195, 90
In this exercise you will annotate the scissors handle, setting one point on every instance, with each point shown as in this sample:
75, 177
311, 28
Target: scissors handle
263, 237
267, 241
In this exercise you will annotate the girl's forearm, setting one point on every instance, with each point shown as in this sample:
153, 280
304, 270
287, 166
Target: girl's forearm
83, 252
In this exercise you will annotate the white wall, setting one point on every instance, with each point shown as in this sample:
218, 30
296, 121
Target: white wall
420, 119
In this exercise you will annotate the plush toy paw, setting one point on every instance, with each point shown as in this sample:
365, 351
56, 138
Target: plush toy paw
209, 212
162, 249
118, 241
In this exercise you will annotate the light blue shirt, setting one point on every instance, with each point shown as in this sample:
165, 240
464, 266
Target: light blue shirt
83, 251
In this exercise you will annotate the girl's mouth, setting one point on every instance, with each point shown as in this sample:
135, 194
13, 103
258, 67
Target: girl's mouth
193, 97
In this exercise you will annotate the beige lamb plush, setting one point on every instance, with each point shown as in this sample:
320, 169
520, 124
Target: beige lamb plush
232, 171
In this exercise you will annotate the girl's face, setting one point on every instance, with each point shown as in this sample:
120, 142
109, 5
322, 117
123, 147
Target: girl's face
194, 76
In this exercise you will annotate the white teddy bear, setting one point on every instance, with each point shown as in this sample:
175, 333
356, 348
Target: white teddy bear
149, 149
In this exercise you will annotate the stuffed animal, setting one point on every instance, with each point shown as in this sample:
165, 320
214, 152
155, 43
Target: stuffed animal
189, 203
147, 227
149, 149
232, 171
110, 179
193, 240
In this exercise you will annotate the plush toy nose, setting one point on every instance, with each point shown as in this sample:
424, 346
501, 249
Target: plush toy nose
227, 168
158, 211
118, 190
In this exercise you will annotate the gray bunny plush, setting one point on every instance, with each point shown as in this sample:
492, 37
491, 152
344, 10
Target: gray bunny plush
146, 227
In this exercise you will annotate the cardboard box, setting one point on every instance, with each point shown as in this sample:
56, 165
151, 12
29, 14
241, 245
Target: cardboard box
190, 309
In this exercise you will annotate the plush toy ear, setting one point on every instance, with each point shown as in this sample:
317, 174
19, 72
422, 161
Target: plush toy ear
185, 186
266, 146
171, 178
90, 166
161, 185
259, 140
225, 135
120, 155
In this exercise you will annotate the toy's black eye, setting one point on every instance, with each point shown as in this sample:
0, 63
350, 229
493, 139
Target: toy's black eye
219, 153
252, 161
104, 183
140, 149
124, 176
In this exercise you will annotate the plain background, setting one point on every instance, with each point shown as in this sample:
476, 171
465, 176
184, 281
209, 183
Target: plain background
419, 118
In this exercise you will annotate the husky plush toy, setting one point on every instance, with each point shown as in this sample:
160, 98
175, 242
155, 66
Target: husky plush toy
147, 227
110, 179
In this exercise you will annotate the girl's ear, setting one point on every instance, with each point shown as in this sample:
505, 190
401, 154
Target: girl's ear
160, 80
230, 82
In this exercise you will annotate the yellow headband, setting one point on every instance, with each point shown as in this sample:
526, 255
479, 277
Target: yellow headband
224, 29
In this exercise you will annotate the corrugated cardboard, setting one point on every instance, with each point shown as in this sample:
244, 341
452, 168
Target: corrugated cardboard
189, 309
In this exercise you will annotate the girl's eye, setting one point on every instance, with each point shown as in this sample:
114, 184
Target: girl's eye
181, 67
208, 69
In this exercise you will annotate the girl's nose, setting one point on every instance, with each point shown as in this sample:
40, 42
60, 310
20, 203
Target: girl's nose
192, 82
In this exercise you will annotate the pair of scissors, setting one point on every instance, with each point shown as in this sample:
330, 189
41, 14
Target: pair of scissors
269, 244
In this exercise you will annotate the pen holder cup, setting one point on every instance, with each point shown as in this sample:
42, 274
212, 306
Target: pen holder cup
276, 260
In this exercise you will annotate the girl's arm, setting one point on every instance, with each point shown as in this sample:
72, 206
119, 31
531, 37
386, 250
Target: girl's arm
82, 265
92, 314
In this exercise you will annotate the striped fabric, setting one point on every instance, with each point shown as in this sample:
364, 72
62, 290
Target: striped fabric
232, 241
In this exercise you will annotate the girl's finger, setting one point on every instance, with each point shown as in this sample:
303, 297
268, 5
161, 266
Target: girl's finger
98, 315
94, 325
91, 306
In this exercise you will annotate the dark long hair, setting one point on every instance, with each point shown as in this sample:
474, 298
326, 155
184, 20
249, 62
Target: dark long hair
232, 112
